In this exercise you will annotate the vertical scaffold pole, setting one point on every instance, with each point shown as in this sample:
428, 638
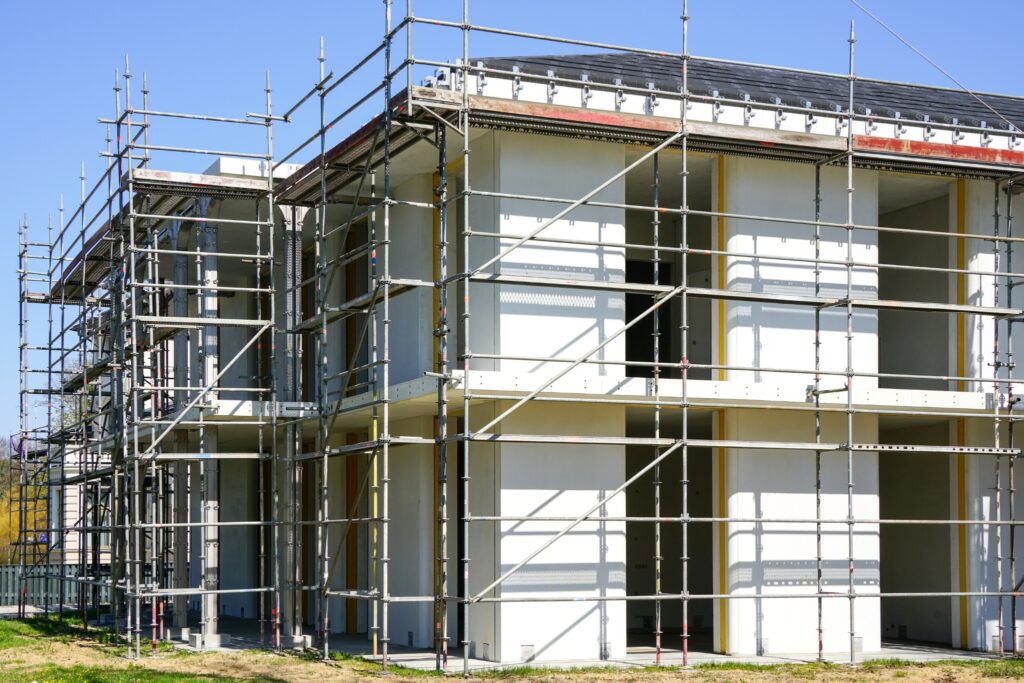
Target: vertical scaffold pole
275, 386
385, 289
684, 243
849, 351
44, 465
83, 411
63, 423
466, 348
275, 455
320, 353
1011, 401
443, 371
817, 412
656, 390
996, 366
16, 513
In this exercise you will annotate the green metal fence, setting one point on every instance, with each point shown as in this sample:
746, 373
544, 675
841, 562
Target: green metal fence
42, 586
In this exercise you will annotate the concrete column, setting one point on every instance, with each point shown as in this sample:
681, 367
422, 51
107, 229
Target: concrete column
207, 237
759, 558
556, 478
782, 336
562, 480
289, 375
766, 558
412, 536
179, 307
412, 315
505, 319
975, 563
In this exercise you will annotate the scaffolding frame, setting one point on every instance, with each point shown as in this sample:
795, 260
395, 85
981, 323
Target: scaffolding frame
115, 316
109, 412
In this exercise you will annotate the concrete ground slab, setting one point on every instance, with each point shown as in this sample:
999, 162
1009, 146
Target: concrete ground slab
246, 635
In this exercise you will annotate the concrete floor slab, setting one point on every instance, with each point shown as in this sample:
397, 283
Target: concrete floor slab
246, 635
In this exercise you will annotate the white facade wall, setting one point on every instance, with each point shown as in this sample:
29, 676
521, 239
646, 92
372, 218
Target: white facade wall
547, 479
782, 336
979, 480
412, 254
780, 558
239, 545
589, 561
537, 321
411, 542
565, 479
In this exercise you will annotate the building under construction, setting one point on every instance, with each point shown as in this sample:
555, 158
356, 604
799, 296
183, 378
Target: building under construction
621, 356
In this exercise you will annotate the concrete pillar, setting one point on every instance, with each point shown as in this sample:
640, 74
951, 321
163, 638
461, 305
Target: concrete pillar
976, 622
412, 256
179, 308
782, 336
207, 237
289, 375
412, 536
781, 558
506, 318
562, 479
546, 478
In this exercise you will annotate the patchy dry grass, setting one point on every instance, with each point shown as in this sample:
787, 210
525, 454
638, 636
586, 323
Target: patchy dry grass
44, 650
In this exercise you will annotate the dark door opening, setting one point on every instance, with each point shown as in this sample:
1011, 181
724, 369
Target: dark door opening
640, 337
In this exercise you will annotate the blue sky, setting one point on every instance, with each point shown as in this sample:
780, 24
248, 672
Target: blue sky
59, 60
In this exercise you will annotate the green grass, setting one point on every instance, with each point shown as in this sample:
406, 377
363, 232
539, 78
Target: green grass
806, 670
1002, 668
15, 633
18, 633
356, 663
35, 635
38, 631
98, 674
988, 668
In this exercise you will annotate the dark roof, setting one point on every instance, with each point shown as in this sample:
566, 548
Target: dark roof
764, 83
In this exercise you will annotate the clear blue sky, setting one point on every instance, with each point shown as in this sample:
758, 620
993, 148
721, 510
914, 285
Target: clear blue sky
59, 58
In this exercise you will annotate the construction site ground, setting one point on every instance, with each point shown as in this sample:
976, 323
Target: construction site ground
41, 649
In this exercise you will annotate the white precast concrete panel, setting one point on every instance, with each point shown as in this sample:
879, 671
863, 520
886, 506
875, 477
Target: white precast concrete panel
412, 320
232, 339
483, 215
780, 557
553, 322
238, 544
337, 507
982, 547
484, 541
979, 219
782, 336
590, 561
980, 470
411, 545
1013, 297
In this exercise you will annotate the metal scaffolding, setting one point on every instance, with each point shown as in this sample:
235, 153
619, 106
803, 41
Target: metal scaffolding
126, 458
131, 371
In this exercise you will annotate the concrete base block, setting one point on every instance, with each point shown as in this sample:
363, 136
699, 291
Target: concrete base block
210, 642
179, 633
297, 642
